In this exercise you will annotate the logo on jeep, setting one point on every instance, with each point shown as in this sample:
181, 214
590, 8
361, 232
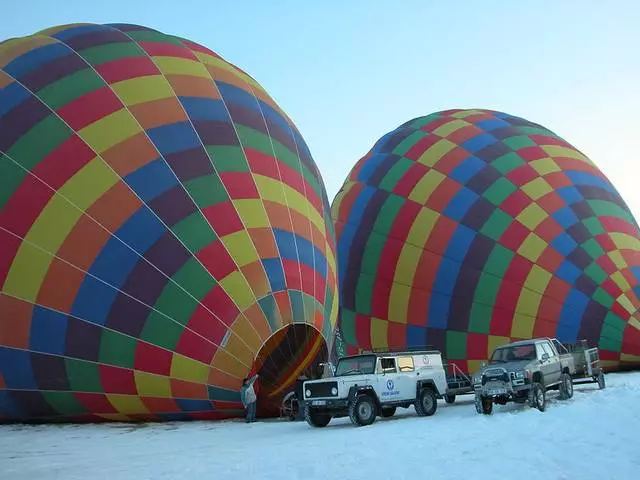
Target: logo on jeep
390, 384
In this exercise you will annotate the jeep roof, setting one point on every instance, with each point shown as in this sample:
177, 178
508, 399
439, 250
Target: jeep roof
395, 353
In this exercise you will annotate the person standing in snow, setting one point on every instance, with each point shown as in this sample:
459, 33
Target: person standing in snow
249, 398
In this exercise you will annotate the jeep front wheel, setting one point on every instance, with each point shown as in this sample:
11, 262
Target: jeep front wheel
426, 403
362, 411
316, 419
388, 412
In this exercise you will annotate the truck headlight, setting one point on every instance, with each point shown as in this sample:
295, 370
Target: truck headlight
334, 391
307, 393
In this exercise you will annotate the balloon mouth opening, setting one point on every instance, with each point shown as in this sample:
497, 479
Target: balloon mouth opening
293, 351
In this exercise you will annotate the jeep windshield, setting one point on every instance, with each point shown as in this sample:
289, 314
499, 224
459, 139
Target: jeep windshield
362, 365
514, 353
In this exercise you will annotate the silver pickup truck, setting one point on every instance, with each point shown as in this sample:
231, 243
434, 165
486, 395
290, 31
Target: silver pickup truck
524, 372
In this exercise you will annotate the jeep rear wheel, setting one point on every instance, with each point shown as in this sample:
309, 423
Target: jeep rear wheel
538, 397
566, 387
601, 382
426, 403
316, 419
362, 411
388, 412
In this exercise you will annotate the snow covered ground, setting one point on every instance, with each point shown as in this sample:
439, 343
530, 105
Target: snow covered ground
593, 436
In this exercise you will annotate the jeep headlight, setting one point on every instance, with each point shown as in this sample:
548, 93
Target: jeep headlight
519, 374
477, 378
334, 391
307, 393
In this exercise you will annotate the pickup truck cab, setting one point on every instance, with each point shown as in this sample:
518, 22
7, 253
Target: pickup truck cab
524, 371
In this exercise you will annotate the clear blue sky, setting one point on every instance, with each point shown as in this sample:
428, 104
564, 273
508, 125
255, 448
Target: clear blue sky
349, 71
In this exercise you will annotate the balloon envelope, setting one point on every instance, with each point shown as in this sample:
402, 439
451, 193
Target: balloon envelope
162, 227
465, 229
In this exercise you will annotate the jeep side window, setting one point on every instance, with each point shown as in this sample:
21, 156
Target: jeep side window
405, 364
388, 365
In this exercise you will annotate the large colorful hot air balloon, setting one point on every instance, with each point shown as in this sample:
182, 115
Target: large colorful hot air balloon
465, 229
164, 231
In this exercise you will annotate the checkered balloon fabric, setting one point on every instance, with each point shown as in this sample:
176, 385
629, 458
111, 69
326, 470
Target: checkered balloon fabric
467, 228
161, 219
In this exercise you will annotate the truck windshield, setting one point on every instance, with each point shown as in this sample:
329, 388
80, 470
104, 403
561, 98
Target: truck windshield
356, 366
514, 353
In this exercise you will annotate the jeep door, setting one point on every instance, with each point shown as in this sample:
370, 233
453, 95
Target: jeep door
406, 377
389, 382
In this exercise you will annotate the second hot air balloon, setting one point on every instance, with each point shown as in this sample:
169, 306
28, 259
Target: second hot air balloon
465, 229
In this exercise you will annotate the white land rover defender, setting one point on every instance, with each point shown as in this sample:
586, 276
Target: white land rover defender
365, 386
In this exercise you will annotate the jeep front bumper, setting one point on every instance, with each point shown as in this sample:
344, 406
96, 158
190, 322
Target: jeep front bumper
328, 404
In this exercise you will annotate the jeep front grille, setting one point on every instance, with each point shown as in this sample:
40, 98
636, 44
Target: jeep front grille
322, 389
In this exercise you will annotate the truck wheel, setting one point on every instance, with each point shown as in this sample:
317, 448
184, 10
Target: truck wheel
316, 419
484, 405
478, 403
537, 397
388, 412
449, 398
487, 405
601, 382
566, 387
362, 411
427, 403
